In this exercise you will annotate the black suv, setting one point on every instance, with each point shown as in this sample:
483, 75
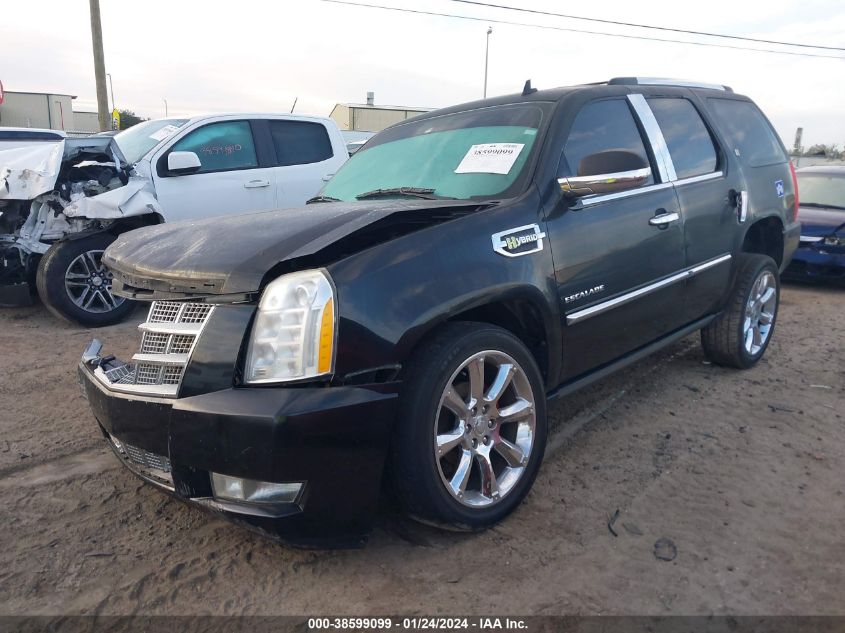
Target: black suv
461, 270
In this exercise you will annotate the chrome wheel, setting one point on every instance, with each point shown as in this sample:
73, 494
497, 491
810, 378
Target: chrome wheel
88, 283
484, 429
759, 312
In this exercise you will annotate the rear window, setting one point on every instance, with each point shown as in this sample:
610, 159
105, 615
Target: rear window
749, 132
300, 142
688, 139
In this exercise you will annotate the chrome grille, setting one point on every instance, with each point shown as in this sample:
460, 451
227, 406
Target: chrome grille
195, 313
150, 465
163, 312
181, 343
167, 339
154, 342
146, 458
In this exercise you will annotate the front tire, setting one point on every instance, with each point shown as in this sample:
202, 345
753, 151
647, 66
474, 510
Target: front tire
739, 336
75, 285
472, 431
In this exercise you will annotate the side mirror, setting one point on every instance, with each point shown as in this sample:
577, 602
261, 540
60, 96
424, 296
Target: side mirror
606, 172
183, 162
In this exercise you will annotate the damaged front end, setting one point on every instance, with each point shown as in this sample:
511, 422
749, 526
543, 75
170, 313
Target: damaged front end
55, 189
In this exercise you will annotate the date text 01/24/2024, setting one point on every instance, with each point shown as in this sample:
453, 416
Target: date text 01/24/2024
417, 623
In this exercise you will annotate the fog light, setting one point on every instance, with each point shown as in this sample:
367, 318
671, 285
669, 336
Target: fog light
251, 491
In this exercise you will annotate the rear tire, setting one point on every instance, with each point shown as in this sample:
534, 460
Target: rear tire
490, 438
75, 286
739, 336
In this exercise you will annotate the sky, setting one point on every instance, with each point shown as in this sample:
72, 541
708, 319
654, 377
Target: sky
252, 55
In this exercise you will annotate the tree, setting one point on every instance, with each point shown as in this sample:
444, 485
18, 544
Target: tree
128, 118
822, 149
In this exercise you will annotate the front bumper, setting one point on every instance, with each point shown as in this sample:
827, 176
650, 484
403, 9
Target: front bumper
333, 438
817, 261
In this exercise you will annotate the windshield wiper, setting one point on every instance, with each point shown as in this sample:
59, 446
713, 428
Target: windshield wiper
412, 192
322, 199
820, 205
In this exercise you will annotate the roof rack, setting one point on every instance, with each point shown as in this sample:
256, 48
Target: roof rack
660, 81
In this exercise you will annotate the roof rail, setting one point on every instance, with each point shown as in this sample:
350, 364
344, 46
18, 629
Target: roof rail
660, 81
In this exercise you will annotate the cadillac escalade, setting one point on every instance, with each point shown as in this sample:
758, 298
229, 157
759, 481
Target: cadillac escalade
406, 329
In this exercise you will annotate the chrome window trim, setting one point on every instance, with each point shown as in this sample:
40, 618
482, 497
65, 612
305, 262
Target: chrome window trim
616, 175
701, 178
604, 306
588, 201
665, 166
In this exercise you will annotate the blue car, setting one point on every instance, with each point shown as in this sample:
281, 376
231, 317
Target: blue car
821, 254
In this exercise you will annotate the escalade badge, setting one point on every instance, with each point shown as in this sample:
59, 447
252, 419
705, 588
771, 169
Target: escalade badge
522, 240
583, 294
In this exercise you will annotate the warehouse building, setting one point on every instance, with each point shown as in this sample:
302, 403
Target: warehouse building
368, 117
47, 111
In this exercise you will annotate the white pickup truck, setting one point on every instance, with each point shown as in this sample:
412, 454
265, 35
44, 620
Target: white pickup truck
64, 200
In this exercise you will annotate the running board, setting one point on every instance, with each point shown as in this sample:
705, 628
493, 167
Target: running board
630, 358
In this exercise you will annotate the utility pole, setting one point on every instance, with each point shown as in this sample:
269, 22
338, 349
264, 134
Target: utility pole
486, 56
99, 66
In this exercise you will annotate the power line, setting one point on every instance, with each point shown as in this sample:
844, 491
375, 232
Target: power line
571, 30
644, 26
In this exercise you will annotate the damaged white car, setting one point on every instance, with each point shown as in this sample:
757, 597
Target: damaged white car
64, 200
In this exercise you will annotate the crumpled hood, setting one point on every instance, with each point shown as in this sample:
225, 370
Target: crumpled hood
32, 169
232, 254
28, 171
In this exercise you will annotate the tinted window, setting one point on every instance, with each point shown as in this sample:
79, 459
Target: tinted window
601, 126
749, 132
221, 146
300, 142
689, 141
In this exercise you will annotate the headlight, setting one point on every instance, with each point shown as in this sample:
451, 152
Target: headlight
294, 331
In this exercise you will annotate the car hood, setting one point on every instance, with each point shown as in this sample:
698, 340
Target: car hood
31, 168
232, 254
818, 222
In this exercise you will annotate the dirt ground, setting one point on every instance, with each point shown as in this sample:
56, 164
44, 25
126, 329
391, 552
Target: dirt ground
743, 471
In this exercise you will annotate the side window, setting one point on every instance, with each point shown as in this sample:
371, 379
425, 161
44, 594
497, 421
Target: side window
300, 142
688, 139
749, 132
221, 146
601, 126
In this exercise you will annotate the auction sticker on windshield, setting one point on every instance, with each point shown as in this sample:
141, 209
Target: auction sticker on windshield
490, 158
163, 133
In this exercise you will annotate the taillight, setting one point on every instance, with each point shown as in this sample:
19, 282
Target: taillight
795, 190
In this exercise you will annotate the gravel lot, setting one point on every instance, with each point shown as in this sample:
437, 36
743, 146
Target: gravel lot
742, 471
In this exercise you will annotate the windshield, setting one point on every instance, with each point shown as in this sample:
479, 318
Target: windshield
141, 138
476, 154
825, 190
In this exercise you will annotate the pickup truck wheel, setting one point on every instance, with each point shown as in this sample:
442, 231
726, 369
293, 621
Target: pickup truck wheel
472, 429
740, 335
75, 285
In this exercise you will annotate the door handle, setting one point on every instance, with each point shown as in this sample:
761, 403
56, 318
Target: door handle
254, 184
327, 177
664, 218
739, 199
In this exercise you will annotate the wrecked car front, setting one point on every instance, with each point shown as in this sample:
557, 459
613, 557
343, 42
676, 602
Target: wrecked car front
54, 188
